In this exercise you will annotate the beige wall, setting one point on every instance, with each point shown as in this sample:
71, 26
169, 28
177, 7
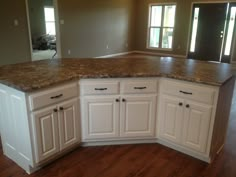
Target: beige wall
183, 15
92, 25
14, 40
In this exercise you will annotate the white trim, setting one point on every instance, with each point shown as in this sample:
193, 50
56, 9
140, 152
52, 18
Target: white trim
160, 54
58, 38
29, 29
114, 55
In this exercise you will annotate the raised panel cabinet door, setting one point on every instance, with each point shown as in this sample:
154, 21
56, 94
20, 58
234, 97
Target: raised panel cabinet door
69, 124
138, 116
196, 125
171, 118
45, 127
100, 117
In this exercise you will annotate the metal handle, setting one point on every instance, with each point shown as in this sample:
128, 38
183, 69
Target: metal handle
55, 110
140, 88
61, 108
117, 100
180, 104
101, 89
186, 93
187, 106
57, 96
123, 100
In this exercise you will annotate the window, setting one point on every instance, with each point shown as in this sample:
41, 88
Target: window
50, 20
161, 26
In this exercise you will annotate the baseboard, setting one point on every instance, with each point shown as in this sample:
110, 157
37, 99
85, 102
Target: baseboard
159, 54
115, 55
142, 52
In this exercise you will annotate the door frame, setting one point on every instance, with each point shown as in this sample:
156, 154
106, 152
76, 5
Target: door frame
190, 23
57, 25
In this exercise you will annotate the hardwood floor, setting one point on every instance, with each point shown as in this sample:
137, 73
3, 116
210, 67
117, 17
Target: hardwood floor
147, 160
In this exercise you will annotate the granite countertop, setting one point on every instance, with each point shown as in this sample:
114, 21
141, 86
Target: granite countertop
32, 76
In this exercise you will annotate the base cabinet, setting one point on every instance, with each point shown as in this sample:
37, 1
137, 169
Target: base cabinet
100, 117
138, 116
55, 129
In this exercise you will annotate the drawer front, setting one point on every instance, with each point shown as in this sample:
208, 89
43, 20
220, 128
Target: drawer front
99, 88
51, 96
133, 87
189, 91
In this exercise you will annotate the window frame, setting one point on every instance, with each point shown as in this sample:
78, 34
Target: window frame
161, 27
45, 22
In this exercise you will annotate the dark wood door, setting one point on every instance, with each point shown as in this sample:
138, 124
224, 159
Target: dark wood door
211, 22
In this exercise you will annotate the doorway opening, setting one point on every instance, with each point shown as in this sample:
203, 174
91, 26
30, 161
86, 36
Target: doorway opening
212, 31
43, 31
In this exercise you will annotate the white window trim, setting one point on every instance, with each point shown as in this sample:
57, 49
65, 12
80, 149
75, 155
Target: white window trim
149, 24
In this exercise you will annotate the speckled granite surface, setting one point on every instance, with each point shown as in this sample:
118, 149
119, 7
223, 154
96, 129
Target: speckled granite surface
32, 76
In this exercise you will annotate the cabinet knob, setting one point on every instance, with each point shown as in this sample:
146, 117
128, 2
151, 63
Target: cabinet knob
180, 104
117, 100
55, 110
61, 108
187, 106
124, 100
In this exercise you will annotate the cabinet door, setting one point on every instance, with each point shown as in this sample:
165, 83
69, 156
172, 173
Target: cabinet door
171, 118
68, 124
100, 117
196, 125
45, 126
138, 116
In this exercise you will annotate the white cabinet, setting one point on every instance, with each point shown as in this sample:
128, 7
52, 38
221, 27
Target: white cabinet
138, 116
55, 129
196, 125
118, 109
100, 117
69, 130
185, 115
45, 125
171, 118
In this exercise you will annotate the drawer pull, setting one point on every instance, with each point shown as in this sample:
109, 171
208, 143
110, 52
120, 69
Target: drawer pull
180, 104
101, 89
57, 96
187, 106
186, 93
140, 88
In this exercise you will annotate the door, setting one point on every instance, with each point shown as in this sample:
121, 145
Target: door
100, 117
208, 23
45, 127
171, 119
196, 126
138, 116
69, 124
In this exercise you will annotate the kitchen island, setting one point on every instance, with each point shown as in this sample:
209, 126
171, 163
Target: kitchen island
49, 107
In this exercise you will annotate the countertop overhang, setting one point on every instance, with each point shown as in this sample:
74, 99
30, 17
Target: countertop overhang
32, 76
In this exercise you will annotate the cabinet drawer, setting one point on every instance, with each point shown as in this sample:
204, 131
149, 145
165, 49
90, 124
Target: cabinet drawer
51, 96
190, 91
139, 87
99, 88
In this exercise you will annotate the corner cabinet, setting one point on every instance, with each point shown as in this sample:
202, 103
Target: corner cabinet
118, 109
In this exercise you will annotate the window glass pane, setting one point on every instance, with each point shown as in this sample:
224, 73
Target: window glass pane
154, 37
167, 38
50, 28
230, 31
169, 17
49, 14
156, 15
194, 30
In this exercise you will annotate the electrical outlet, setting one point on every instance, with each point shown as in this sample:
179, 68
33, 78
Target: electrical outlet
69, 52
107, 46
16, 22
62, 22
